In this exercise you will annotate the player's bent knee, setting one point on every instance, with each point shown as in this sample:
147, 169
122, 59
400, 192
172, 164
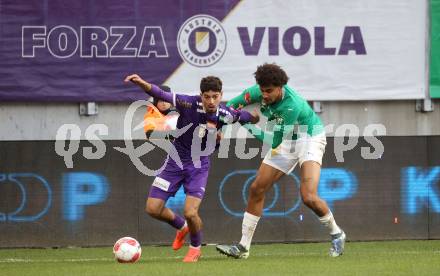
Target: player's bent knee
262, 180
256, 190
155, 213
190, 214
153, 210
309, 199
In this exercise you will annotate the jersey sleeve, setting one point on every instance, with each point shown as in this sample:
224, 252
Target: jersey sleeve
264, 136
183, 102
159, 94
248, 96
241, 116
281, 127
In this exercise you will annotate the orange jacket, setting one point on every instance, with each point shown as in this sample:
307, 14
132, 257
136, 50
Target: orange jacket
155, 120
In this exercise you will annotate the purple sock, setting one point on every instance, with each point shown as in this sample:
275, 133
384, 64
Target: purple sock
177, 222
196, 239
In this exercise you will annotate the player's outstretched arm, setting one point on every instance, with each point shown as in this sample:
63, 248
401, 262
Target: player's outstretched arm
136, 79
275, 137
245, 117
149, 88
248, 96
264, 136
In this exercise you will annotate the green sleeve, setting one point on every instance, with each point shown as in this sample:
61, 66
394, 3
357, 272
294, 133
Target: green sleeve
264, 136
248, 96
276, 137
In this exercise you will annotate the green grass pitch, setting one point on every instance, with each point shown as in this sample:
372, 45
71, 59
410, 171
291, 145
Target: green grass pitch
360, 258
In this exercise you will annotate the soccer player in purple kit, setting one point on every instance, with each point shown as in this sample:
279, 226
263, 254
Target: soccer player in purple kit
206, 116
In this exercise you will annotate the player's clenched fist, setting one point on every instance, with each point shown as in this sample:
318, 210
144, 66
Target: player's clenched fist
255, 116
135, 78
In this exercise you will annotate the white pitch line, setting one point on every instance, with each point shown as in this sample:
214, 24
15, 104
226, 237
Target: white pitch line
219, 256
17, 260
291, 254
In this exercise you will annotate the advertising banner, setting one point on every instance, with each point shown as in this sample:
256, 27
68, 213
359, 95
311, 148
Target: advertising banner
44, 203
435, 50
59, 50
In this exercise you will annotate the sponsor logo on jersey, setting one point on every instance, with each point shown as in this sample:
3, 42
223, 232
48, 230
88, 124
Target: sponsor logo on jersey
247, 97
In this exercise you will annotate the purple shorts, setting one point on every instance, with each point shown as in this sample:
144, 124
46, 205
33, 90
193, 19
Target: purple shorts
168, 182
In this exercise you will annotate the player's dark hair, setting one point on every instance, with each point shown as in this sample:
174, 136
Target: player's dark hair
270, 75
210, 83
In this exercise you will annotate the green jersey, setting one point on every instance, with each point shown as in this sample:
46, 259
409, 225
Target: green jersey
282, 116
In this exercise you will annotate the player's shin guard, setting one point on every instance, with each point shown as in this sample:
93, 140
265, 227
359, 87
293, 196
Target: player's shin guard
329, 222
248, 228
178, 222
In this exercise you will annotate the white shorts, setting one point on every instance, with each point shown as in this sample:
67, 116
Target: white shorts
290, 152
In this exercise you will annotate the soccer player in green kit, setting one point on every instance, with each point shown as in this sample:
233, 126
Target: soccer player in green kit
285, 109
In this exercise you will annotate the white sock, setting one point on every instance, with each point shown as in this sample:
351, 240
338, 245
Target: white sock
247, 229
184, 225
329, 222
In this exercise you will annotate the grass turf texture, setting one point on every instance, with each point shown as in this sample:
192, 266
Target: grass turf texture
360, 258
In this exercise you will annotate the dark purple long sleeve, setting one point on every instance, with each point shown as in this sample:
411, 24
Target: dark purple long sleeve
159, 94
240, 115
245, 117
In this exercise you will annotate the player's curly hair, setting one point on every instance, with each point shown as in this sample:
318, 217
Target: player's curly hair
270, 75
210, 83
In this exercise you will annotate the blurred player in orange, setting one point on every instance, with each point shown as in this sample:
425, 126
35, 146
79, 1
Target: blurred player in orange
161, 116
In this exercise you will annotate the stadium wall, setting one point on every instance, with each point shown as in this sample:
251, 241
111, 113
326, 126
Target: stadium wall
45, 204
41, 121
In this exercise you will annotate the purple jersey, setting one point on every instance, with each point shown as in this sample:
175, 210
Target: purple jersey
202, 124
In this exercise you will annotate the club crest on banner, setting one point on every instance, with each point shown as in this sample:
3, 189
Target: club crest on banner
201, 40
